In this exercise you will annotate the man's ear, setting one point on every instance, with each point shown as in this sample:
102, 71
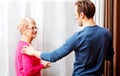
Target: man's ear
81, 14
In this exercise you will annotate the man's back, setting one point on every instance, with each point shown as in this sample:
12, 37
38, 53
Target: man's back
93, 46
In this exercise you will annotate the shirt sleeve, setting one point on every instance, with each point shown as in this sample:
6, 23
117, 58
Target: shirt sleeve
28, 67
62, 51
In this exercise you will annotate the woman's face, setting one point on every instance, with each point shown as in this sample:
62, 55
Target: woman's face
31, 30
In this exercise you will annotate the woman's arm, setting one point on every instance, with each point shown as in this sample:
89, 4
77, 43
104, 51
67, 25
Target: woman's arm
28, 67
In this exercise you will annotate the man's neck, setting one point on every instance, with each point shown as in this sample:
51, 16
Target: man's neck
89, 22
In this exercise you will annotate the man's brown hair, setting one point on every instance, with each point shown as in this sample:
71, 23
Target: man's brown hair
87, 7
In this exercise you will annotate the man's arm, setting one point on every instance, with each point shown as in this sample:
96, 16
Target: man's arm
57, 54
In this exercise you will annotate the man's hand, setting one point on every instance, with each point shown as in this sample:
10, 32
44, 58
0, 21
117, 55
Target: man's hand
29, 50
45, 63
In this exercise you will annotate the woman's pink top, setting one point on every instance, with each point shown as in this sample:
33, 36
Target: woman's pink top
27, 65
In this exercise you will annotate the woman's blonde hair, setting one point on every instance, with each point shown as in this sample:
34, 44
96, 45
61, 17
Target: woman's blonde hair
24, 23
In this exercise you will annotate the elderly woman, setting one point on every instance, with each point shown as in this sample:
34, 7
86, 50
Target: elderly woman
27, 65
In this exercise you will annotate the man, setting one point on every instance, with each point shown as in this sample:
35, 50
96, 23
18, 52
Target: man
92, 45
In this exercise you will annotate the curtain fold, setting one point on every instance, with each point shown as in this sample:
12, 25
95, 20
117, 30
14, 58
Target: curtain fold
108, 23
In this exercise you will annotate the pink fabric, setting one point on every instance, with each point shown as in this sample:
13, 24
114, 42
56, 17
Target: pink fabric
26, 65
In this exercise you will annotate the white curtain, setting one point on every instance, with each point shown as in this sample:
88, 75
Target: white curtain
56, 23
99, 15
11, 11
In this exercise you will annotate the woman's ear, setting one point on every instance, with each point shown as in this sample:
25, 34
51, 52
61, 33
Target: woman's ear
23, 32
